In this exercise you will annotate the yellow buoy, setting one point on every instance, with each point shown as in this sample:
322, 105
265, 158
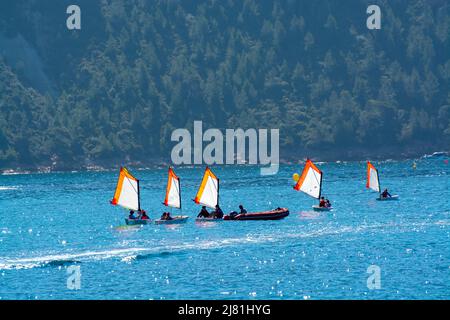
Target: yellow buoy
295, 176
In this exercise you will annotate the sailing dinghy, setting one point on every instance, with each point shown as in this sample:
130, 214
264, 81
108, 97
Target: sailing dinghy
373, 182
310, 182
127, 195
208, 193
173, 198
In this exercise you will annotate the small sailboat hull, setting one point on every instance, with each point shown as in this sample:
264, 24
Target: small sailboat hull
174, 220
276, 214
318, 208
132, 222
394, 197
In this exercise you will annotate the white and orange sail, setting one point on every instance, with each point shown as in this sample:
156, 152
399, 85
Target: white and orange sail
373, 181
127, 194
310, 181
173, 191
208, 193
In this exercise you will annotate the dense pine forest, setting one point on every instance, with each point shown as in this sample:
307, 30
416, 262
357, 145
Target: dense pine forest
114, 91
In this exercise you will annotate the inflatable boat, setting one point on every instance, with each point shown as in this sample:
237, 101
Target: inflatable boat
276, 214
208, 219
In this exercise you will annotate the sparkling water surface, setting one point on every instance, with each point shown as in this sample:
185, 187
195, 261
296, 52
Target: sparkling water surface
51, 221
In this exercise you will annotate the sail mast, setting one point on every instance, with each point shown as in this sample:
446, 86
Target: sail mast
379, 185
218, 193
139, 196
320, 188
179, 193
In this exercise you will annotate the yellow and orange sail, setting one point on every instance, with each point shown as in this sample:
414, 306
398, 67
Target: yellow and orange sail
310, 181
208, 193
173, 192
127, 191
373, 181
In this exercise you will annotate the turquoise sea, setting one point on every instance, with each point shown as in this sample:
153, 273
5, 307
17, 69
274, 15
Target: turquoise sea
52, 221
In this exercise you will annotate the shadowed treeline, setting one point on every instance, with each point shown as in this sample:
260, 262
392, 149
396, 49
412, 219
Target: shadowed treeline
116, 89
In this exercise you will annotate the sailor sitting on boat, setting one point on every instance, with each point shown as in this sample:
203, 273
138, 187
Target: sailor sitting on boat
385, 194
217, 213
324, 203
203, 213
166, 216
144, 216
131, 216
242, 211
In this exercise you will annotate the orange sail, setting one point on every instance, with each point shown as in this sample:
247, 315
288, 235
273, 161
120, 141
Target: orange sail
310, 181
127, 191
208, 193
373, 181
173, 192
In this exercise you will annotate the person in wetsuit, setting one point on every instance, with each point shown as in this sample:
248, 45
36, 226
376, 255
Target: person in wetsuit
131, 216
217, 213
166, 216
385, 194
203, 213
242, 210
322, 202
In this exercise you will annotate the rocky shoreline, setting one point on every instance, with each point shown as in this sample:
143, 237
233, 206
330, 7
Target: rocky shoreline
158, 163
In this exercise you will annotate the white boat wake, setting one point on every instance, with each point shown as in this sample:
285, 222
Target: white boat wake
4, 188
128, 255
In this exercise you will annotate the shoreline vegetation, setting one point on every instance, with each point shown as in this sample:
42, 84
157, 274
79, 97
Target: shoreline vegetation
164, 163
114, 92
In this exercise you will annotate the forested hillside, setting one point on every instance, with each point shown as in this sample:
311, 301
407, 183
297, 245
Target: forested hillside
115, 90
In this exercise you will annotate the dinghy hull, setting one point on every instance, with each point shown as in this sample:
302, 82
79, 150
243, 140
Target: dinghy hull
276, 214
174, 220
132, 222
395, 197
317, 208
